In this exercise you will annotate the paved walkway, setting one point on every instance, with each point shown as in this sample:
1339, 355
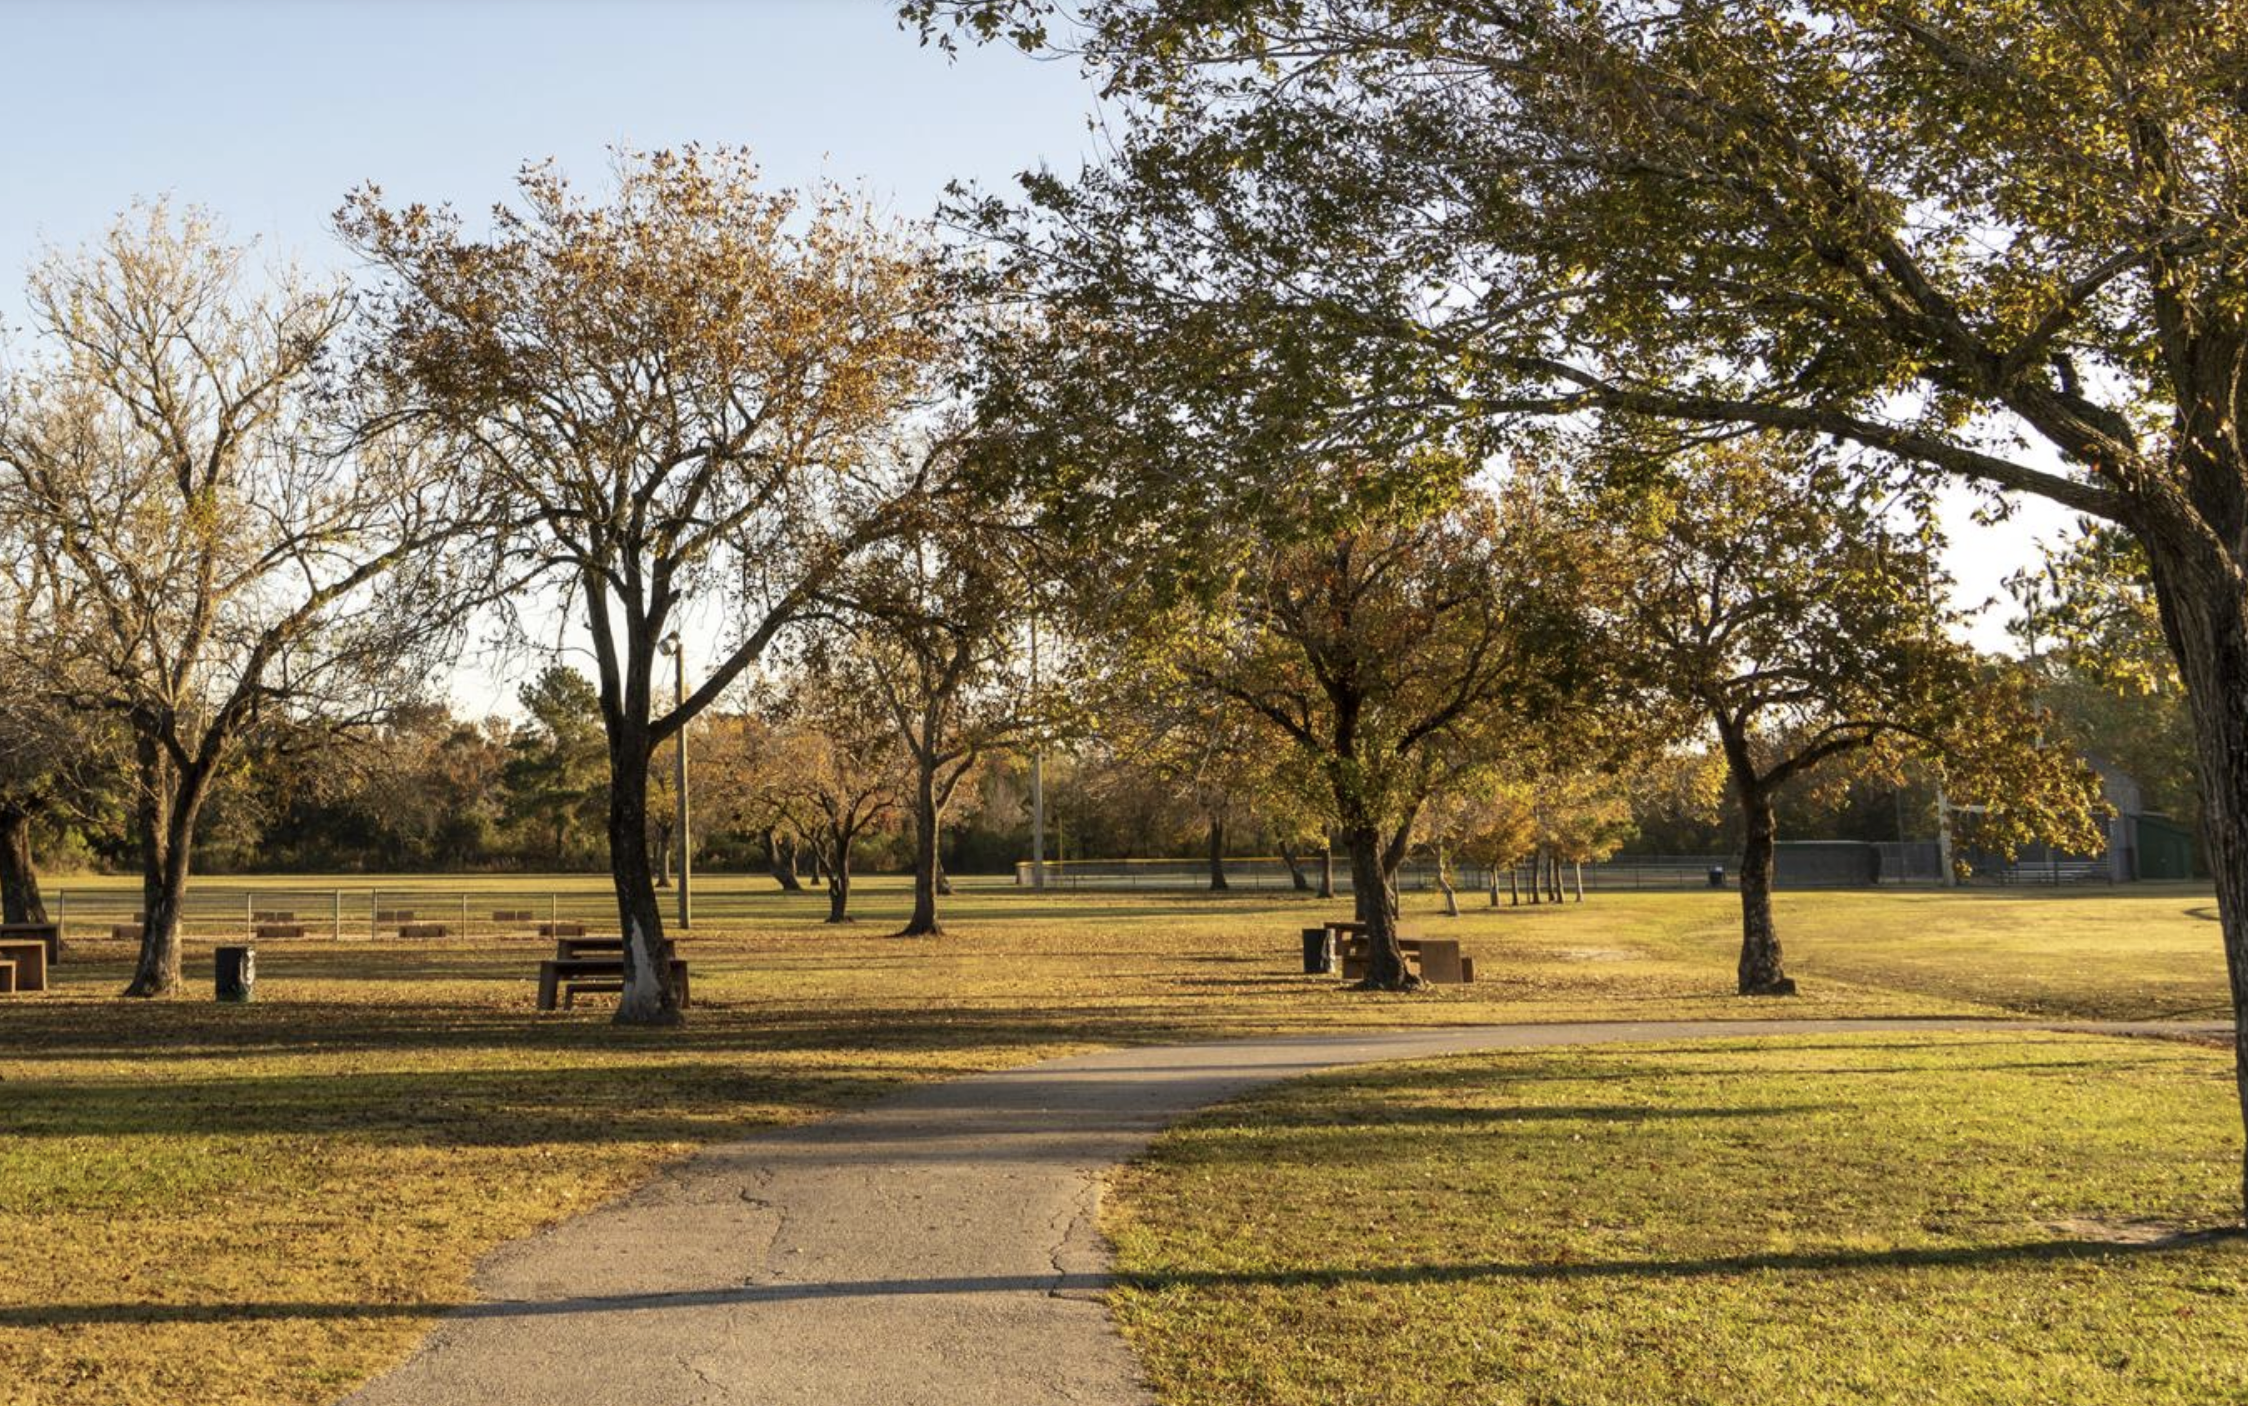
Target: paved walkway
937, 1247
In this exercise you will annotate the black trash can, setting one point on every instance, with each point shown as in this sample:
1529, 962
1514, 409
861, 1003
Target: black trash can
1319, 951
1717, 876
237, 973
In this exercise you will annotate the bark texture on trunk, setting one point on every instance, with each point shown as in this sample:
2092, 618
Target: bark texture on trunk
923, 921
2205, 614
20, 899
839, 880
1373, 877
780, 857
164, 816
1761, 972
1218, 882
1297, 878
649, 997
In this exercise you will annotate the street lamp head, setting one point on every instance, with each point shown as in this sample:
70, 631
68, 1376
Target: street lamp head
669, 644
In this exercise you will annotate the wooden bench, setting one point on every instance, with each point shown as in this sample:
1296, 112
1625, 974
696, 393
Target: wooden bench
278, 929
424, 930
561, 930
571, 977
277, 917
26, 963
47, 934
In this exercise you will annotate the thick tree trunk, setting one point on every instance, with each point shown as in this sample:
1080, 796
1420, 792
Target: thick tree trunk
649, 997
20, 900
1553, 877
1537, 877
164, 817
839, 879
1577, 869
1297, 878
1444, 882
663, 855
1514, 884
1374, 881
780, 858
1218, 882
1761, 973
1327, 869
2206, 618
923, 922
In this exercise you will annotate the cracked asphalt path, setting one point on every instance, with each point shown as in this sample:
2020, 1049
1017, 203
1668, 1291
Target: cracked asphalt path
936, 1247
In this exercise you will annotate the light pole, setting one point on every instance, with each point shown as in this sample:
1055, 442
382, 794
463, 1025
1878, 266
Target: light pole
671, 646
1037, 781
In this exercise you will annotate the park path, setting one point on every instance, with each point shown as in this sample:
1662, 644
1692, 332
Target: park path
936, 1247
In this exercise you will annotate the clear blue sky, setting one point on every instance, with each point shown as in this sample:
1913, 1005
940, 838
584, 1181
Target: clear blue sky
268, 111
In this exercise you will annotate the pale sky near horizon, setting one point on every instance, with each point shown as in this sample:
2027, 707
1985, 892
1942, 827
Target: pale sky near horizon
268, 111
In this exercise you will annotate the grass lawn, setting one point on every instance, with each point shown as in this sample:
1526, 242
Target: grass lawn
268, 1203
1862, 1219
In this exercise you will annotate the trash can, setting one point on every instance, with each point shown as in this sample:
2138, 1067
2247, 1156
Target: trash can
237, 973
1717, 876
1319, 951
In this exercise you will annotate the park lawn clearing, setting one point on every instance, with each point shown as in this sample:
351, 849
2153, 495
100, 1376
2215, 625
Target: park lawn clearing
271, 1203
2008, 1217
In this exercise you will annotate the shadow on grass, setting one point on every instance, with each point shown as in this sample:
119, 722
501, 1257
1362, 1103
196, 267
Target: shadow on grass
1961, 1257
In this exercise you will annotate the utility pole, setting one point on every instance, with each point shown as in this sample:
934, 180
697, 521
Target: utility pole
1037, 780
685, 841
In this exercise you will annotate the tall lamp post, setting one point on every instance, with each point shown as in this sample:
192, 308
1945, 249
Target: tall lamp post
1037, 781
685, 841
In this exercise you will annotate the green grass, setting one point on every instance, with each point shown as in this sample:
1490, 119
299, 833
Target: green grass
2003, 1218
269, 1203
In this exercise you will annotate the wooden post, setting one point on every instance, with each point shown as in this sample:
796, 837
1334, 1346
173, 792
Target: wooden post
337, 896
464, 913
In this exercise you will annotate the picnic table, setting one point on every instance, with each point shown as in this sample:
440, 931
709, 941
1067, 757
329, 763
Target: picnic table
582, 965
1436, 960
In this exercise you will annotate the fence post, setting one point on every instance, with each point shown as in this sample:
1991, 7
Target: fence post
553, 911
249, 915
464, 913
337, 896
62, 914
374, 906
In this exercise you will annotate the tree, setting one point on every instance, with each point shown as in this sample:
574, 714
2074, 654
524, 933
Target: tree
1803, 622
935, 635
1390, 658
694, 387
556, 772
203, 561
54, 764
836, 763
1997, 242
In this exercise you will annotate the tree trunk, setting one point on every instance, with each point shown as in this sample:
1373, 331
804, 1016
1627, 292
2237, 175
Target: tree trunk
1297, 879
944, 876
1217, 855
2206, 618
165, 813
781, 859
1327, 869
1375, 883
1514, 883
839, 879
1537, 877
923, 922
1577, 869
1761, 973
663, 854
649, 997
1553, 876
20, 901
1444, 882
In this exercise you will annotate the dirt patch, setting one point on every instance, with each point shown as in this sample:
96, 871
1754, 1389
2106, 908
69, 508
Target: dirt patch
1595, 954
2133, 1232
